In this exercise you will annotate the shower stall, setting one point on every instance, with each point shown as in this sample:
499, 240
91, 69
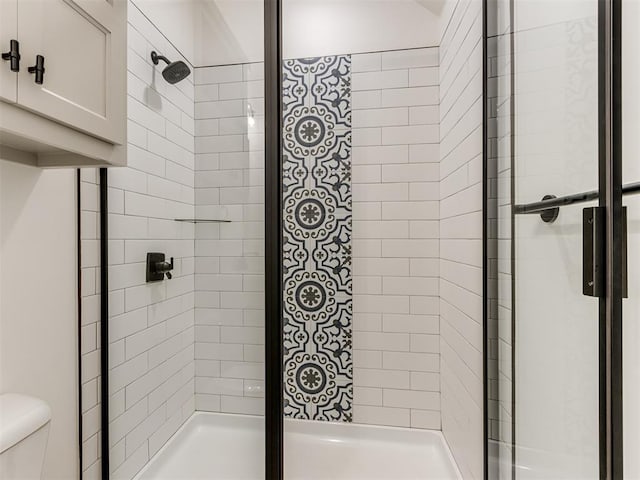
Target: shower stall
334, 253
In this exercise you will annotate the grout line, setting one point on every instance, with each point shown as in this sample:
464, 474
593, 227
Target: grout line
448, 47
351, 54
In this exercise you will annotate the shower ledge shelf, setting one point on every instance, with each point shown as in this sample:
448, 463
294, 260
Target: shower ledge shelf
201, 220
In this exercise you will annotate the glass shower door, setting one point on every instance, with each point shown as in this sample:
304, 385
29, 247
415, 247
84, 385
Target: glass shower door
563, 117
544, 322
555, 153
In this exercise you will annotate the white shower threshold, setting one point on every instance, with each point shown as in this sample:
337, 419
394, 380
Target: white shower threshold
225, 447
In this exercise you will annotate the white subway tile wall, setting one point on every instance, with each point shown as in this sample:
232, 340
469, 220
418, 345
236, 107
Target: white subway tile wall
461, 233
151, 335
395, 178
229, 277
395, 192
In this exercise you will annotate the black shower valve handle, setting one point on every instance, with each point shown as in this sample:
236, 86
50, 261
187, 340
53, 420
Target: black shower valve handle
165, 267
158, 267
13, 55
38, 69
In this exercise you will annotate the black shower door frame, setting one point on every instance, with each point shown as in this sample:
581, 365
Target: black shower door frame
610, 198
274, 367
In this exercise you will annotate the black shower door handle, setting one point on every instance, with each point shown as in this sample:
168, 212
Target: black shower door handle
594, 252
594, 234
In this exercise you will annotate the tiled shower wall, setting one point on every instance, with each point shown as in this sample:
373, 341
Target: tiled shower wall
461, 234
398, 188
151, 325
395, 238
229, 348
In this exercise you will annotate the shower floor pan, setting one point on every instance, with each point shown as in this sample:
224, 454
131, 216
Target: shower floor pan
225, 447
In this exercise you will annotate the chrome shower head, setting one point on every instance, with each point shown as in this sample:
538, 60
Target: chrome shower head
174, 71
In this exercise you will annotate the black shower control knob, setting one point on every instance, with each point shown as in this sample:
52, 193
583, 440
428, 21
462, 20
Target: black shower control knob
164, 267
13, 55
38, 69
158, 267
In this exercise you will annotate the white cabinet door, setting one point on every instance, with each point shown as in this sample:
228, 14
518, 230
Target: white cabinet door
8, 32
83, 43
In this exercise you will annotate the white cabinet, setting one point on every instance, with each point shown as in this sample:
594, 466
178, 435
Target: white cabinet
80, 42
67, 104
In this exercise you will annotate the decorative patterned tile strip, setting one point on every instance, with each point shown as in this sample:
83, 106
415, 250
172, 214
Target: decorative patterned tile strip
317, 239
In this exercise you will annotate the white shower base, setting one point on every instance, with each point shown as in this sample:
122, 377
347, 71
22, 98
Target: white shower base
225, 447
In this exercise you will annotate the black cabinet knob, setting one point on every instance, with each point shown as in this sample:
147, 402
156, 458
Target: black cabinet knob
13, 55
38, 69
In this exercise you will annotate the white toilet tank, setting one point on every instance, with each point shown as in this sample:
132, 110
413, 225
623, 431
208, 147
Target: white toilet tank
24, 428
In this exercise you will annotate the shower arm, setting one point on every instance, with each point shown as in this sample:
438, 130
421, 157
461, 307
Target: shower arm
155, 58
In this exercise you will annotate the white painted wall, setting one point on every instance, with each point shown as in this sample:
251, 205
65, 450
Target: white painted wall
176, 19
229, 32
38, 301
221, 32
328, 27
435, 6
631, 173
